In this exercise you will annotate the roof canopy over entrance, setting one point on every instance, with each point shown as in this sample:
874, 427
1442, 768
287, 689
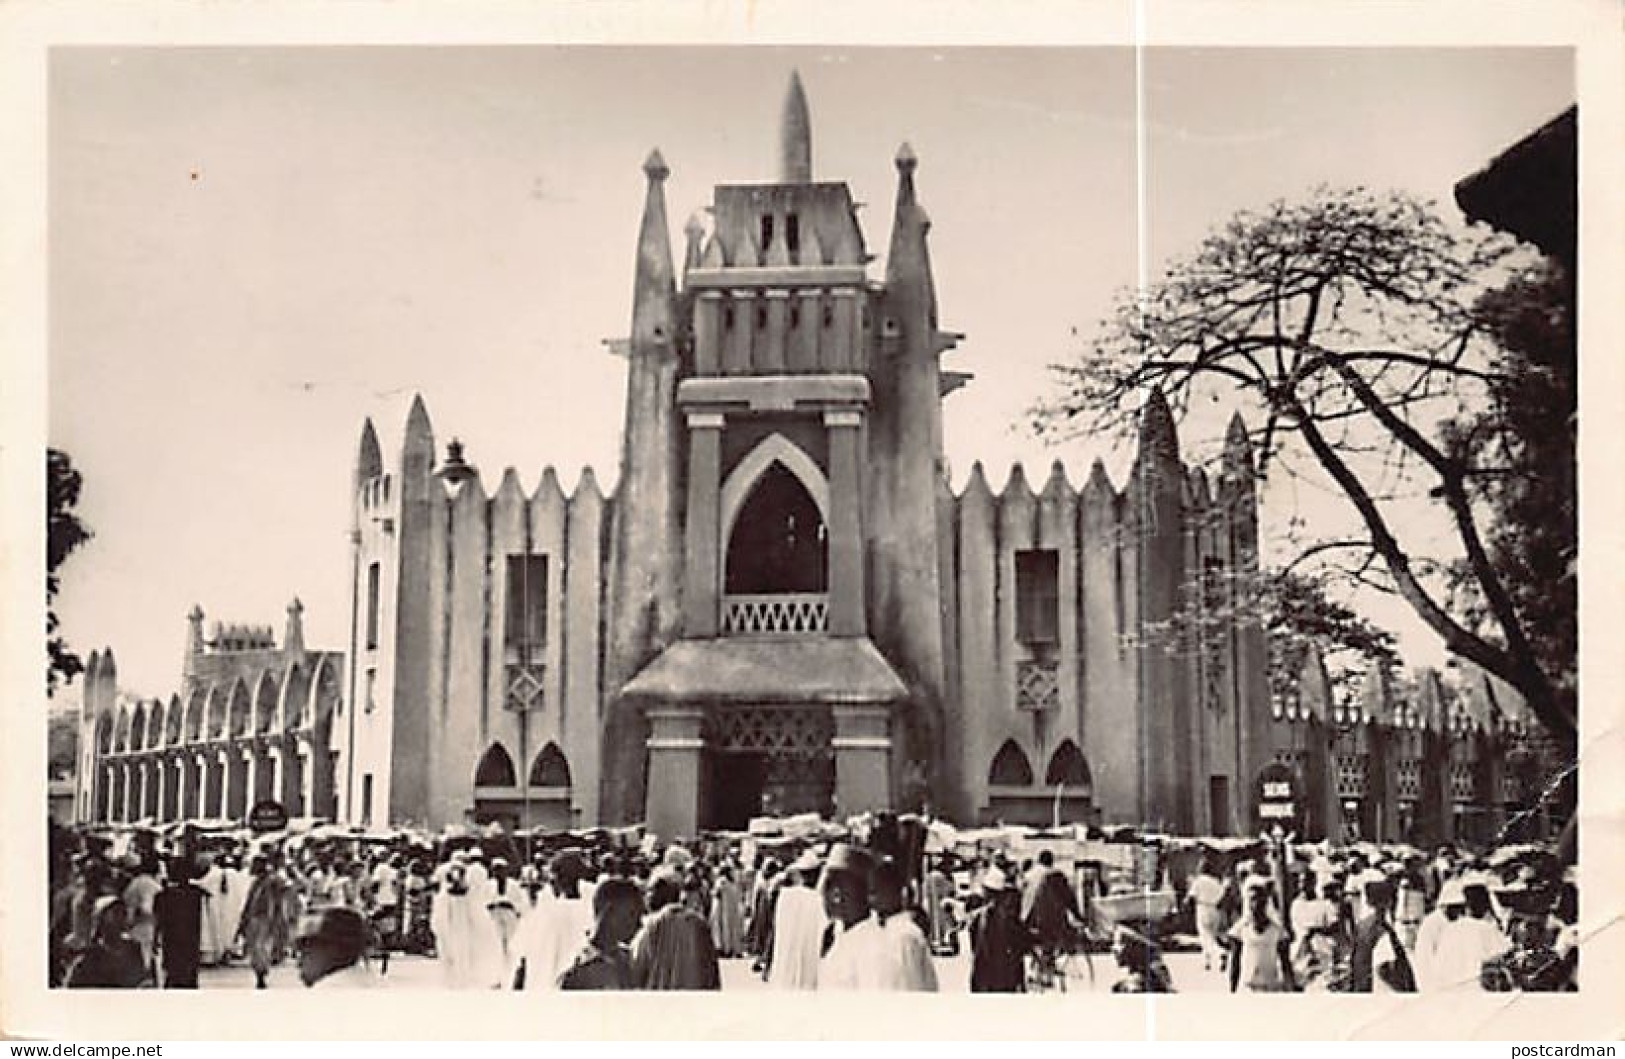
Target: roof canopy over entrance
830, 670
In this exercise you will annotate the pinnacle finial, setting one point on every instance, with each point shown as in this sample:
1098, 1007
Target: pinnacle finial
654, 167
1157, 432
906, 160
653, 283
795, 135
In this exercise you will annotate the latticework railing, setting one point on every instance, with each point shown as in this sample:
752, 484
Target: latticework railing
775, 615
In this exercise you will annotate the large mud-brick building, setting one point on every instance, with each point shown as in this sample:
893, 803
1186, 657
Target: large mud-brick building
251, 722
784, 607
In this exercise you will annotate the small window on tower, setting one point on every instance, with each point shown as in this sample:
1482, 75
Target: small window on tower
792, 233
728, 318
1038, 609
372, 606
795, 316
767, 231
527, 604
761, 318
829, 315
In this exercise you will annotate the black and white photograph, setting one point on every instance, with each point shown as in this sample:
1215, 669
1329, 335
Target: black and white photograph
779, 517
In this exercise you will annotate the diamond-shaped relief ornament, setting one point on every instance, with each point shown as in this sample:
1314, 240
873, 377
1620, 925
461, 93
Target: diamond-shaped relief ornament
525, 690
1036, 686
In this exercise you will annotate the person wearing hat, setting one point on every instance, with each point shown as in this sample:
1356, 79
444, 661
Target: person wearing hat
1377, 960
1260, 957
465, 934
905, 957
263, 927
332, 946
1451, 905
1470, 941
178, 913
674, 950
853, 943
798, 926
999, 940
112, 961
504, 902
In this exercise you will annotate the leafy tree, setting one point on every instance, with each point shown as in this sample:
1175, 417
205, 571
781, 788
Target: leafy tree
1524, 447
1299, 615
65, 534
1351, 322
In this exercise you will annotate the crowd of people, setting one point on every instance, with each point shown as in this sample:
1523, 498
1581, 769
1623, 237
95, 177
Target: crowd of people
1354, 922
826, 915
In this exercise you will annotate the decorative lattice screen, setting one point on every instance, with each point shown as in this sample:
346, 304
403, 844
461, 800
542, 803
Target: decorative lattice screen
1037, 686
778, 730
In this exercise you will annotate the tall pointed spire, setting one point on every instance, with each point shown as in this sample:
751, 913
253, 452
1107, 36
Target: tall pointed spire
908, 262
795, 136
655, 283
369, 462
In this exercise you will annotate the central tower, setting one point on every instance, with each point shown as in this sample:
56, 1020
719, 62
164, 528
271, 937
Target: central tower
807, 662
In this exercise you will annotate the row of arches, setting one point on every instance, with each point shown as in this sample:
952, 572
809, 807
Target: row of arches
220, 781
301, 697
1067, 767
549, 769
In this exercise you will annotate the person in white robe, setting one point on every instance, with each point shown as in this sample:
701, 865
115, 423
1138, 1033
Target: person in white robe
233, 899
798, 928
1425, 954
212, 938
1467, 943
856, 956
904, 960
465, 935
506, 902
552, 934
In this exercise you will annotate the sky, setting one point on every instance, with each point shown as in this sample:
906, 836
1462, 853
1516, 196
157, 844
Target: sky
251, 250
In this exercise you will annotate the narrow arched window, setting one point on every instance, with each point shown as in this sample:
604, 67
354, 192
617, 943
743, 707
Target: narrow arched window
1067, 767
495, 769
778, 543
1010, 767
551, 768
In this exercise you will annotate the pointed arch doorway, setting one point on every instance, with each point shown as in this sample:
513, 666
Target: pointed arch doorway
544, 800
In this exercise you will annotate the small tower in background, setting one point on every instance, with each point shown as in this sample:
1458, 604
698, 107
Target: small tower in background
194, 646
293, 635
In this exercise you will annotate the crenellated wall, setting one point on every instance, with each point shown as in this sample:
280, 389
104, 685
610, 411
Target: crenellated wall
1165, 721
472, 691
